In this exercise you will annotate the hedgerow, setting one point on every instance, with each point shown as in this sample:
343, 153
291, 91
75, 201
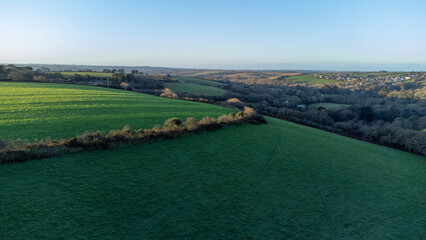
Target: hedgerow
19, 151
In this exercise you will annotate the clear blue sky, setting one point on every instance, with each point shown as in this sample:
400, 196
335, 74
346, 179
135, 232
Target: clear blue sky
215, 34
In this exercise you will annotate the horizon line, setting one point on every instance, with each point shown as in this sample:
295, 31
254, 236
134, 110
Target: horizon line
243, 68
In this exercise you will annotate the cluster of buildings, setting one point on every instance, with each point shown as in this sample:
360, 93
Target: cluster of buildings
349, 77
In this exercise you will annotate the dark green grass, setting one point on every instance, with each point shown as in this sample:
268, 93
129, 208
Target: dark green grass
92, 74
195, 88
310, 78
37, 111
328, 106
274, 181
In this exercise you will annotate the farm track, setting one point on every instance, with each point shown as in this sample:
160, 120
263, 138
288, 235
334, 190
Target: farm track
274, 154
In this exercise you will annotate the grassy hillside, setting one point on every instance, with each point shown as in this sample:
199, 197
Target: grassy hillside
196, 89
275, 181
197, 81
36, 110
195, 86
378, 74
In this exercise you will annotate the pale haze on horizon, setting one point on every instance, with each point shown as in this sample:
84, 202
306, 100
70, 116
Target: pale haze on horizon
221, 34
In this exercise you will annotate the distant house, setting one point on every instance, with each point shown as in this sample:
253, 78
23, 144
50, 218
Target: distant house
301, 107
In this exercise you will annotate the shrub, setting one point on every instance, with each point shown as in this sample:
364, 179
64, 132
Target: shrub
234, 100
240, 114
191, 124
257, 119
91, 140
168, 93
173, 124
3, 144
223, 119
227, 119
209, 124
153, 132
125, 86
249, 112
119, 135
207, 120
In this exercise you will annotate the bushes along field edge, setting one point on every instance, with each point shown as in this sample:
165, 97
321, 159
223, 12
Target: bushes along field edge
19, 151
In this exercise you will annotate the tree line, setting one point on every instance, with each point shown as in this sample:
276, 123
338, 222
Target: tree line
395, 122
134, 81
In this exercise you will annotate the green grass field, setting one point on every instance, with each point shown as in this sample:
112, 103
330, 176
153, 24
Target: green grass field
328, 106
310, 78
197, 81
34, 110
203, 73
92, 74
195, 86
275, 181
377, 74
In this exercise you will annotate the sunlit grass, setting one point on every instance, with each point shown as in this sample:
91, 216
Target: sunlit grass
35, 110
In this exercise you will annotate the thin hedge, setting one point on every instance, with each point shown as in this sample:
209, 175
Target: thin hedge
19, 151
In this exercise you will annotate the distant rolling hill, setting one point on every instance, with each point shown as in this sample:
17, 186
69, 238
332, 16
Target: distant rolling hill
195, 86
275, 181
